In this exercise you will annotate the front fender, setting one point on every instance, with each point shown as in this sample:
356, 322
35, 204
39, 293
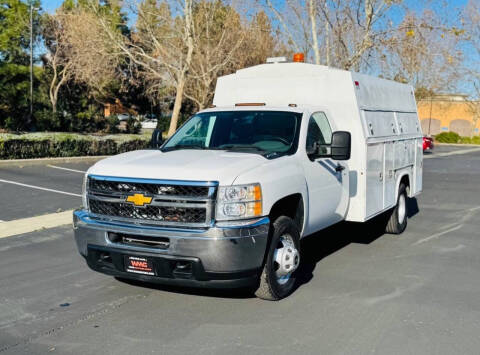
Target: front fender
278, 178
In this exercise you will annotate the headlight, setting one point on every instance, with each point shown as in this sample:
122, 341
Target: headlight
84, 192
239, 202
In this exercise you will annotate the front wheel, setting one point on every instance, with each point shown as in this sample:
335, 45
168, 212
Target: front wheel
283, 258
398, 219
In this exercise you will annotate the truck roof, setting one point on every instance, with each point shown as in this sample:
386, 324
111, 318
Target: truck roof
281, 84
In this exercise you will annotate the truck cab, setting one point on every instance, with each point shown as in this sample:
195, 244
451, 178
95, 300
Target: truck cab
287, 150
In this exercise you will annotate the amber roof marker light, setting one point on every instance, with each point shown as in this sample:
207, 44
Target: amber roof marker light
250, 104
298, 58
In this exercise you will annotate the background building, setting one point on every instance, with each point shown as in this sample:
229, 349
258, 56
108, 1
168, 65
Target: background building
449, 113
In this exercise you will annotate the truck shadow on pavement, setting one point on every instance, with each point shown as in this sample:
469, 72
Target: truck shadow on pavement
314, 248
319, 245
236, 293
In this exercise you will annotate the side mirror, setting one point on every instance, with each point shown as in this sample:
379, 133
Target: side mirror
313, 149
341, 145
157, 140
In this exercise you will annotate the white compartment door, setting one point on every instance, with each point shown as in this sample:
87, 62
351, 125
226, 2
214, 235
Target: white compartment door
375, 167
389, 174
418, 171
401, 156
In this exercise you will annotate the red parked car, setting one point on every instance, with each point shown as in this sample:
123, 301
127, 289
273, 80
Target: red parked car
427, 143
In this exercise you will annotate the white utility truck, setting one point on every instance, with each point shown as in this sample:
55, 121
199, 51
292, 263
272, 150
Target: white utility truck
287, 150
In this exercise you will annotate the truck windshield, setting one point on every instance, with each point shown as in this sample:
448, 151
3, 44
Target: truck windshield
263, 132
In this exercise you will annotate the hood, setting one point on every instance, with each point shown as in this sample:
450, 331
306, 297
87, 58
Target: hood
188, 164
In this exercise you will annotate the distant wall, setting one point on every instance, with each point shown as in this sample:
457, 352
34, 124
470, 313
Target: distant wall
431, 126
438, 116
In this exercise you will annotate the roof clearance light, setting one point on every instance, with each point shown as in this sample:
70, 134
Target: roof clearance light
276, 60
298, 58
250, 104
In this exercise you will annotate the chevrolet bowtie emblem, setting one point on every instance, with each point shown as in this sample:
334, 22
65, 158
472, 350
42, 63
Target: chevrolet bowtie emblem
139, 199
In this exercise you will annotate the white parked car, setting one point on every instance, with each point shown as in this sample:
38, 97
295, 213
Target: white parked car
149, 124
123, 117
288, 150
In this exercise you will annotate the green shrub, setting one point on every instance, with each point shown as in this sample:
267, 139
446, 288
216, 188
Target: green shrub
67, 145
447, 137
112, 123
452, 137
470, 140
132, 145
465, 140
133, 126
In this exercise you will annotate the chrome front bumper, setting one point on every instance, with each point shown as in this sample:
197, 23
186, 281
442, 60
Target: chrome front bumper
218, 251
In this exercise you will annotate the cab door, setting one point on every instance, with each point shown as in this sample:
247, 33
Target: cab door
327, 179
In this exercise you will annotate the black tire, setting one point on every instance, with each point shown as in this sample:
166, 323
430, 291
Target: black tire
395, 223
270, 288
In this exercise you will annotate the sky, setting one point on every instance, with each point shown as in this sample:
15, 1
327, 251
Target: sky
442, 7
417, 5
51, 5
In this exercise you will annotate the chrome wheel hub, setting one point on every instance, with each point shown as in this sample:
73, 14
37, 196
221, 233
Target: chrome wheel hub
286, 258
402, 208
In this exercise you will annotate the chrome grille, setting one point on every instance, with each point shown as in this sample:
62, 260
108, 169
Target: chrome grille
154, 189
173, 203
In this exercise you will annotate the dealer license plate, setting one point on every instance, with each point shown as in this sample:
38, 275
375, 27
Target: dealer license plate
139, 265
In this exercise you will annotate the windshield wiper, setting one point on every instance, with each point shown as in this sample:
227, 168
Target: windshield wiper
240, 146
184, 146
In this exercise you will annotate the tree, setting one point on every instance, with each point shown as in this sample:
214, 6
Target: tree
15, 30
58, 58
14, 95
170, 43
423, 52
14, 60
357, 28
217, 34
223, 43
161, 48
340, 33
77, 42
260, 42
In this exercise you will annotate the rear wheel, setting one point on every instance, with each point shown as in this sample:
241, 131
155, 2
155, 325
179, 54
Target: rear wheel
283, 258
398, 219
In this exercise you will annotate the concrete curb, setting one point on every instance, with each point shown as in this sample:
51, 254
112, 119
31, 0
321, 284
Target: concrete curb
44, 161
32, 224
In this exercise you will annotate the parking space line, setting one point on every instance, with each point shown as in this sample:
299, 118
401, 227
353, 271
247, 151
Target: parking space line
455, 152
31, 224
40, 188
67, 169
467, 214
439, 234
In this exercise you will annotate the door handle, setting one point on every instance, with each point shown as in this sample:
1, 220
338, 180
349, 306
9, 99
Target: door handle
339, 168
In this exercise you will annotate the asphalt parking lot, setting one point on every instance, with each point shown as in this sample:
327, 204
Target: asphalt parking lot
362, 291
51, 187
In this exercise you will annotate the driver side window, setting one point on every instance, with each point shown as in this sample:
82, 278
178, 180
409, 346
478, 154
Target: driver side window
319, 131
